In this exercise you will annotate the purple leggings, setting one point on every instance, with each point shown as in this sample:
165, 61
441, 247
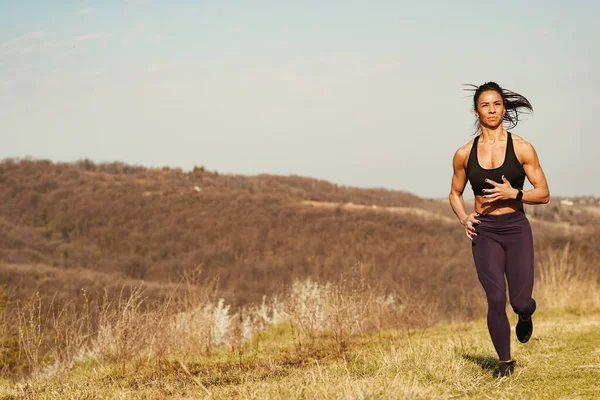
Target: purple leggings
504, 245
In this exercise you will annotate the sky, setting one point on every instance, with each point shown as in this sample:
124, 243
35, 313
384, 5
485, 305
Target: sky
359, 93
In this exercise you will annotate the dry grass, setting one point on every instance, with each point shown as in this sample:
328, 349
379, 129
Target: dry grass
194, 322
454, 361
564, 281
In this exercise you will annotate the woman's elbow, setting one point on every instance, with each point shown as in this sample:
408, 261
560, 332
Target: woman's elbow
454, 195
546, 198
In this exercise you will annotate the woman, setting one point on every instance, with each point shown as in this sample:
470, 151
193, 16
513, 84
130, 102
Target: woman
496, 163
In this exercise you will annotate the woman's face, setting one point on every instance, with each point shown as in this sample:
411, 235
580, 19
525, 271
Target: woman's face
490, 108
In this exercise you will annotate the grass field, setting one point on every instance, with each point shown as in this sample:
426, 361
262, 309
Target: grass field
129, 282
561, 361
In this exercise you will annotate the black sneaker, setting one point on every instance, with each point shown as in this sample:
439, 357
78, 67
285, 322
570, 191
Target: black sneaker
524, 329
505, 368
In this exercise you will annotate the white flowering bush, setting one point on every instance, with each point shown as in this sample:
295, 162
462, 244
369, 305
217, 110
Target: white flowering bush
307, 305
221, 322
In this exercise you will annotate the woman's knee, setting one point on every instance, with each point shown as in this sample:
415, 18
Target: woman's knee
524, 306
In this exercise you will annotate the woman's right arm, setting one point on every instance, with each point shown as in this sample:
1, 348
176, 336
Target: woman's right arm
459, 181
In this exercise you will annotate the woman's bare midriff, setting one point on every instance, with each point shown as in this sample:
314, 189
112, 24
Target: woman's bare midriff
497, 207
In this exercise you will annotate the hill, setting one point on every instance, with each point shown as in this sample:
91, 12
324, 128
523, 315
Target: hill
67, 226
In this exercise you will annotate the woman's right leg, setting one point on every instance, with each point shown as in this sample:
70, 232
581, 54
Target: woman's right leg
489, 262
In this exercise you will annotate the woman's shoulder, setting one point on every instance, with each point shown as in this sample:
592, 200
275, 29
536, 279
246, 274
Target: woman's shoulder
523, 148
465, 148
462, 154
518, 141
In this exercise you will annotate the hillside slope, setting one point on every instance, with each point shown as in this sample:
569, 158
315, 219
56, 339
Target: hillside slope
252, 233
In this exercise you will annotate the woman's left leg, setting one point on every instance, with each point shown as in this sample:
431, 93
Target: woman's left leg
519, 269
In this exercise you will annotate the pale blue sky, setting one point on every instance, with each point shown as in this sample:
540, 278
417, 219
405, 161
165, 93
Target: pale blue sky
362, 93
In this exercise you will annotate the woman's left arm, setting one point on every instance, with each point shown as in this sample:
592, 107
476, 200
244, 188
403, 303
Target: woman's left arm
540, 194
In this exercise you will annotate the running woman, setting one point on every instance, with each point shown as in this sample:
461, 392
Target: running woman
496, 163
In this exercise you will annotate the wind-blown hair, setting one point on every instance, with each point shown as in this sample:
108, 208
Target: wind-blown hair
514, 103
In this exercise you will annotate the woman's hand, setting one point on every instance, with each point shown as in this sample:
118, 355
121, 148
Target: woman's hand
469, 227
501, 191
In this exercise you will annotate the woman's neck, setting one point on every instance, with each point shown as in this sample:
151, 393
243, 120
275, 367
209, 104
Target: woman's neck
492, 135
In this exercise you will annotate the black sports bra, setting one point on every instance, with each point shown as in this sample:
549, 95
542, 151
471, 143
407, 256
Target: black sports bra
511, 168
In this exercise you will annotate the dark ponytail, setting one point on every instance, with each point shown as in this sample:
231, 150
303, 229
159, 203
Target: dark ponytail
514, 103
